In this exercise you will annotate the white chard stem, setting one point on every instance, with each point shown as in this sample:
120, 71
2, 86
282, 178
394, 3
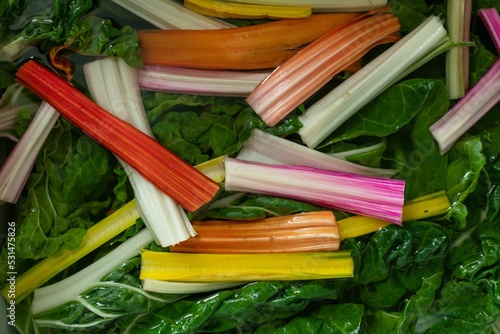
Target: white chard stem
114, 85
326, 115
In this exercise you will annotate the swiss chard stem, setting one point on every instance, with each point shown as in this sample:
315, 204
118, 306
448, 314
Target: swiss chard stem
480, 99
96, 236
491, 20
303, 74
199, 81
69, 289
420, 208
165, 170
304, 232
114, 86
457, 58
324, 5
255, 47
169, 14
267, 148
186, 267
11, 103
222, 9
159, 286
326, 115
16, 169
371, 196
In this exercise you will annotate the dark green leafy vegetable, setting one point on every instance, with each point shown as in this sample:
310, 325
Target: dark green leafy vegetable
199, 128
439, 276
412, 150
392, 110
68, 189
248, 206
105, 302
61, 27
335, 319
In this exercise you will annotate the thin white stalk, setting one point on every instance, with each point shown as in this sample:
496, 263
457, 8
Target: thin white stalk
159, 286
114, 85
8, 119
480, 99
324, 5
69, 289
169, 14
326, 115
10, 105
8, 123
346, 154
199, 81
267, 148
457, 58
16, 169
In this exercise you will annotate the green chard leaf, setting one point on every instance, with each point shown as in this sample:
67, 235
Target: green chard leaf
388, 112
7, 74
393, 262
481, 59
410, 13
486, 4
118, 294
243, 308
9, 10
67, 25
199, 128
414, 152
465, 168
248, 206
93, 36
463, 307
327, 319
66, 193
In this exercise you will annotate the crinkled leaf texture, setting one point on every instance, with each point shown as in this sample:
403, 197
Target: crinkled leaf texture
118, 294
199, 128
67, 192
67, 24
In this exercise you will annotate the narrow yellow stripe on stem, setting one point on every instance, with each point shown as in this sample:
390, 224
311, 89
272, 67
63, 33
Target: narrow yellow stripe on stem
96, 236
247, 11
187, 267
431, 205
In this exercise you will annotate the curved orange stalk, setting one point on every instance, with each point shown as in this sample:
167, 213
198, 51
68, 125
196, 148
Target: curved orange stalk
61, 62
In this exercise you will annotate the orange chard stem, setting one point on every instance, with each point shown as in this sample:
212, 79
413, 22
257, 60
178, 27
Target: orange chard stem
187, 186
259, 46
305, 232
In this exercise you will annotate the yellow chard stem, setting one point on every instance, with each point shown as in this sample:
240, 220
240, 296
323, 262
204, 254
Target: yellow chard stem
222, 9
96, 236
419, 208
187, 267
431, 205
214, 168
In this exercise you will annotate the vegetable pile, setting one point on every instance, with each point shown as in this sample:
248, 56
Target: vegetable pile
215, 167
